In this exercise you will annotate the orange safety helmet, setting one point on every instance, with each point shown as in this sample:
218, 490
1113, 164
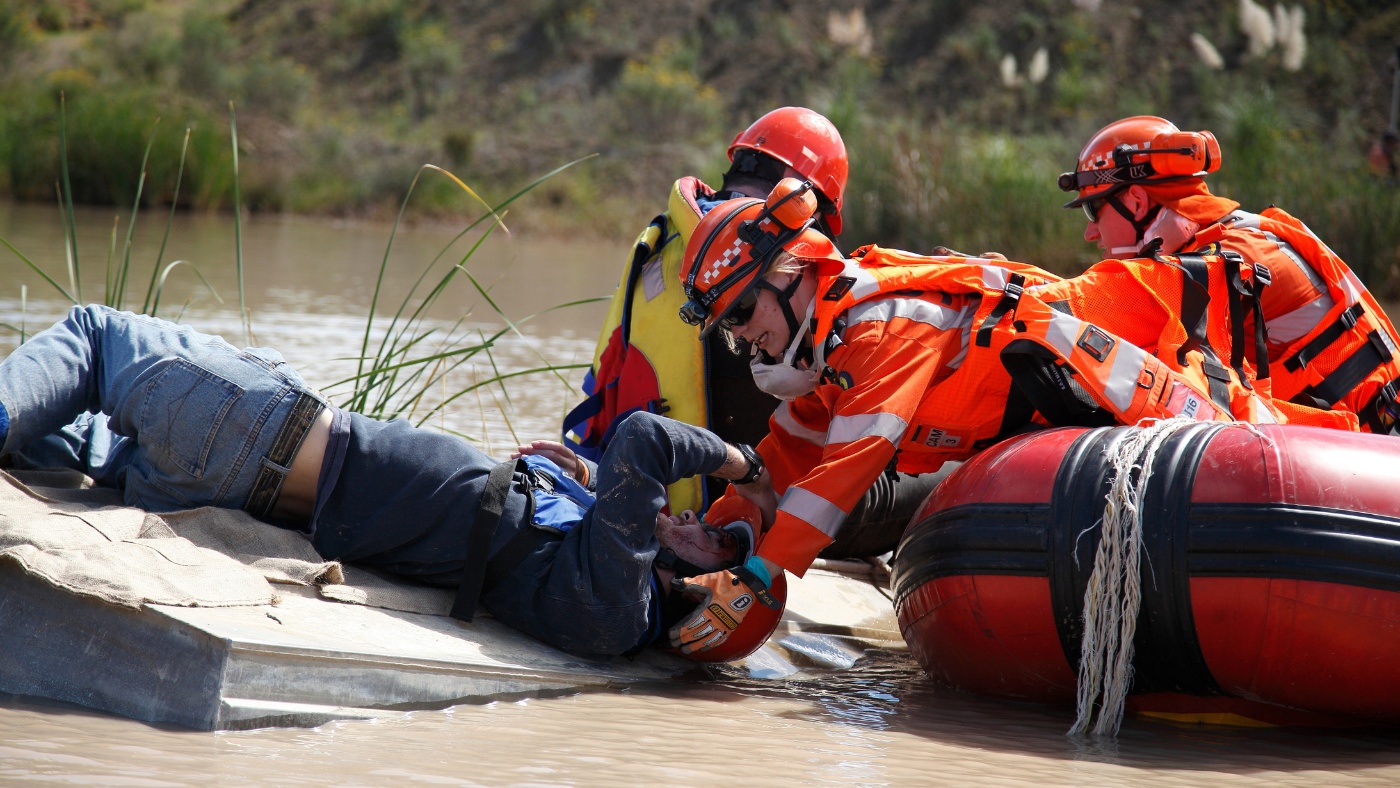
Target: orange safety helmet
807, 142
735, 244
1140, 149
741, 516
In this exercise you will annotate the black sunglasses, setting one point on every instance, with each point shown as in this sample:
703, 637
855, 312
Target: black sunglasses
742, 312
1092, 208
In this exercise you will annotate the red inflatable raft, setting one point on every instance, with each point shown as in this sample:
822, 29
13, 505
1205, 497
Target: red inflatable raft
1270, 573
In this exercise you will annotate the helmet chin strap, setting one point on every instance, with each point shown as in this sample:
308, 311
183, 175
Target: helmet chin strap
1140, 226
784, 298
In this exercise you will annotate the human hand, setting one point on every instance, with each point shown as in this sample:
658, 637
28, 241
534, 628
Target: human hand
725, 598
943, 251
761, 493
559, 454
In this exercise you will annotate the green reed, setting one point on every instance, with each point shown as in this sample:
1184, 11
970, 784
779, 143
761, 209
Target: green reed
411, 361
394, 378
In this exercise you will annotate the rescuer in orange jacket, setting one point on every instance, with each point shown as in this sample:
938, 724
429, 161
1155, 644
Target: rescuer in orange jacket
911, 361
646, 359
1140, 182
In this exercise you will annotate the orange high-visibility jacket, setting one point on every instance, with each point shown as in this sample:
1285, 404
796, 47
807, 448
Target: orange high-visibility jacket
1330, 343
914, 373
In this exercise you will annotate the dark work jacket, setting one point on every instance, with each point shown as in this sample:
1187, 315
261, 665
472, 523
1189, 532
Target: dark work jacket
406, 498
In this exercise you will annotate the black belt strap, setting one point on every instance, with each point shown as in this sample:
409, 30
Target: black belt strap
1009, 298
267, 485
1358, 366
1344, 323
488, 517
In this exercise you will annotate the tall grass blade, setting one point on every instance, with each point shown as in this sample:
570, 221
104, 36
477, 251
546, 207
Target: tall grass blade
169, 223
369, 381
120, 283
109, 282
160, 285
39, 271
66, 199
238, 230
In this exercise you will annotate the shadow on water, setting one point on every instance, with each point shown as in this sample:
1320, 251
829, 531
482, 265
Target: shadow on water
887, 692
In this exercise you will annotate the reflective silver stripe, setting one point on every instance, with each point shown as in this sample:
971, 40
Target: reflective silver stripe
1288, 251
806, 505
1063, 332
1262, 414
789, 424
1128, 361
1352, 287
995, 277
1244, 219
917, 310
965, 338
866, 284
1296, 324
845, 429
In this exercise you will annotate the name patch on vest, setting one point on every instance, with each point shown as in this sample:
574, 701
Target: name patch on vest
936, 438
839, 288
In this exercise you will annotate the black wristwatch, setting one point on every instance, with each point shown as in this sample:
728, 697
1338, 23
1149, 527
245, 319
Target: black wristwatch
755, 464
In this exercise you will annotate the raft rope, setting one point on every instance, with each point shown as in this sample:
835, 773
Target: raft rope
1114, 595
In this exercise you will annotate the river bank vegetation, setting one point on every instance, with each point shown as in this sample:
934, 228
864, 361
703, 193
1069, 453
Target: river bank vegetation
958, 116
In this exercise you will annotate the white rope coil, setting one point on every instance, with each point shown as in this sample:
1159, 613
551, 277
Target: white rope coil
1114, 595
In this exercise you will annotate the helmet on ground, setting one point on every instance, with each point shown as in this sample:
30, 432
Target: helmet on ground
1143, 149
741, 518
735, 245
807, 142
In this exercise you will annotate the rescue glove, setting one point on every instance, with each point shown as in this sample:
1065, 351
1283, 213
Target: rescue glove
725, 598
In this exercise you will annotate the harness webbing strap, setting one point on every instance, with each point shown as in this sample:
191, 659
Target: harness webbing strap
488, 517
1011, 296
1350, 373
1374, 414
1344, 323
1217, 378
1261, 331
1195, 298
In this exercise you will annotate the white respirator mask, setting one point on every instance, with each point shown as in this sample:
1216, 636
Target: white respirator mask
784, 379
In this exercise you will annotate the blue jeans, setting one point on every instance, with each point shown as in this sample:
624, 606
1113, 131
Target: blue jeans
193, 420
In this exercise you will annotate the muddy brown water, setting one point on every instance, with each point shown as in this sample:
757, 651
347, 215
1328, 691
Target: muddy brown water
881, 723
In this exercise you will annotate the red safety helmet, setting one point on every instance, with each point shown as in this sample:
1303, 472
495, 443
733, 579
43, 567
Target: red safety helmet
1140, 149
741, 517
807, 142
735, 244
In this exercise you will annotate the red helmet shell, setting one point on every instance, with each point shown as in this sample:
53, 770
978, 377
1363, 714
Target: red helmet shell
761, 622
720, 265
759, 625
1139, 150
807, 142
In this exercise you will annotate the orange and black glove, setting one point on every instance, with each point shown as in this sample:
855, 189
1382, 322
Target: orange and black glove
725, 599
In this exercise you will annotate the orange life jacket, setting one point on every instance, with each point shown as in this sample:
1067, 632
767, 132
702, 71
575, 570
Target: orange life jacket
1350, 358
1032, 342
973, 406
1136, 336
1126, 340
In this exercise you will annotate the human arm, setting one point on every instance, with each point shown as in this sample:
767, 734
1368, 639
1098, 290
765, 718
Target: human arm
885, 369
582, 470
596, 594
882, 373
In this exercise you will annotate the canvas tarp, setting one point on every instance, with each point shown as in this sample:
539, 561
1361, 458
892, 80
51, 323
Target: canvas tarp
57, 526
